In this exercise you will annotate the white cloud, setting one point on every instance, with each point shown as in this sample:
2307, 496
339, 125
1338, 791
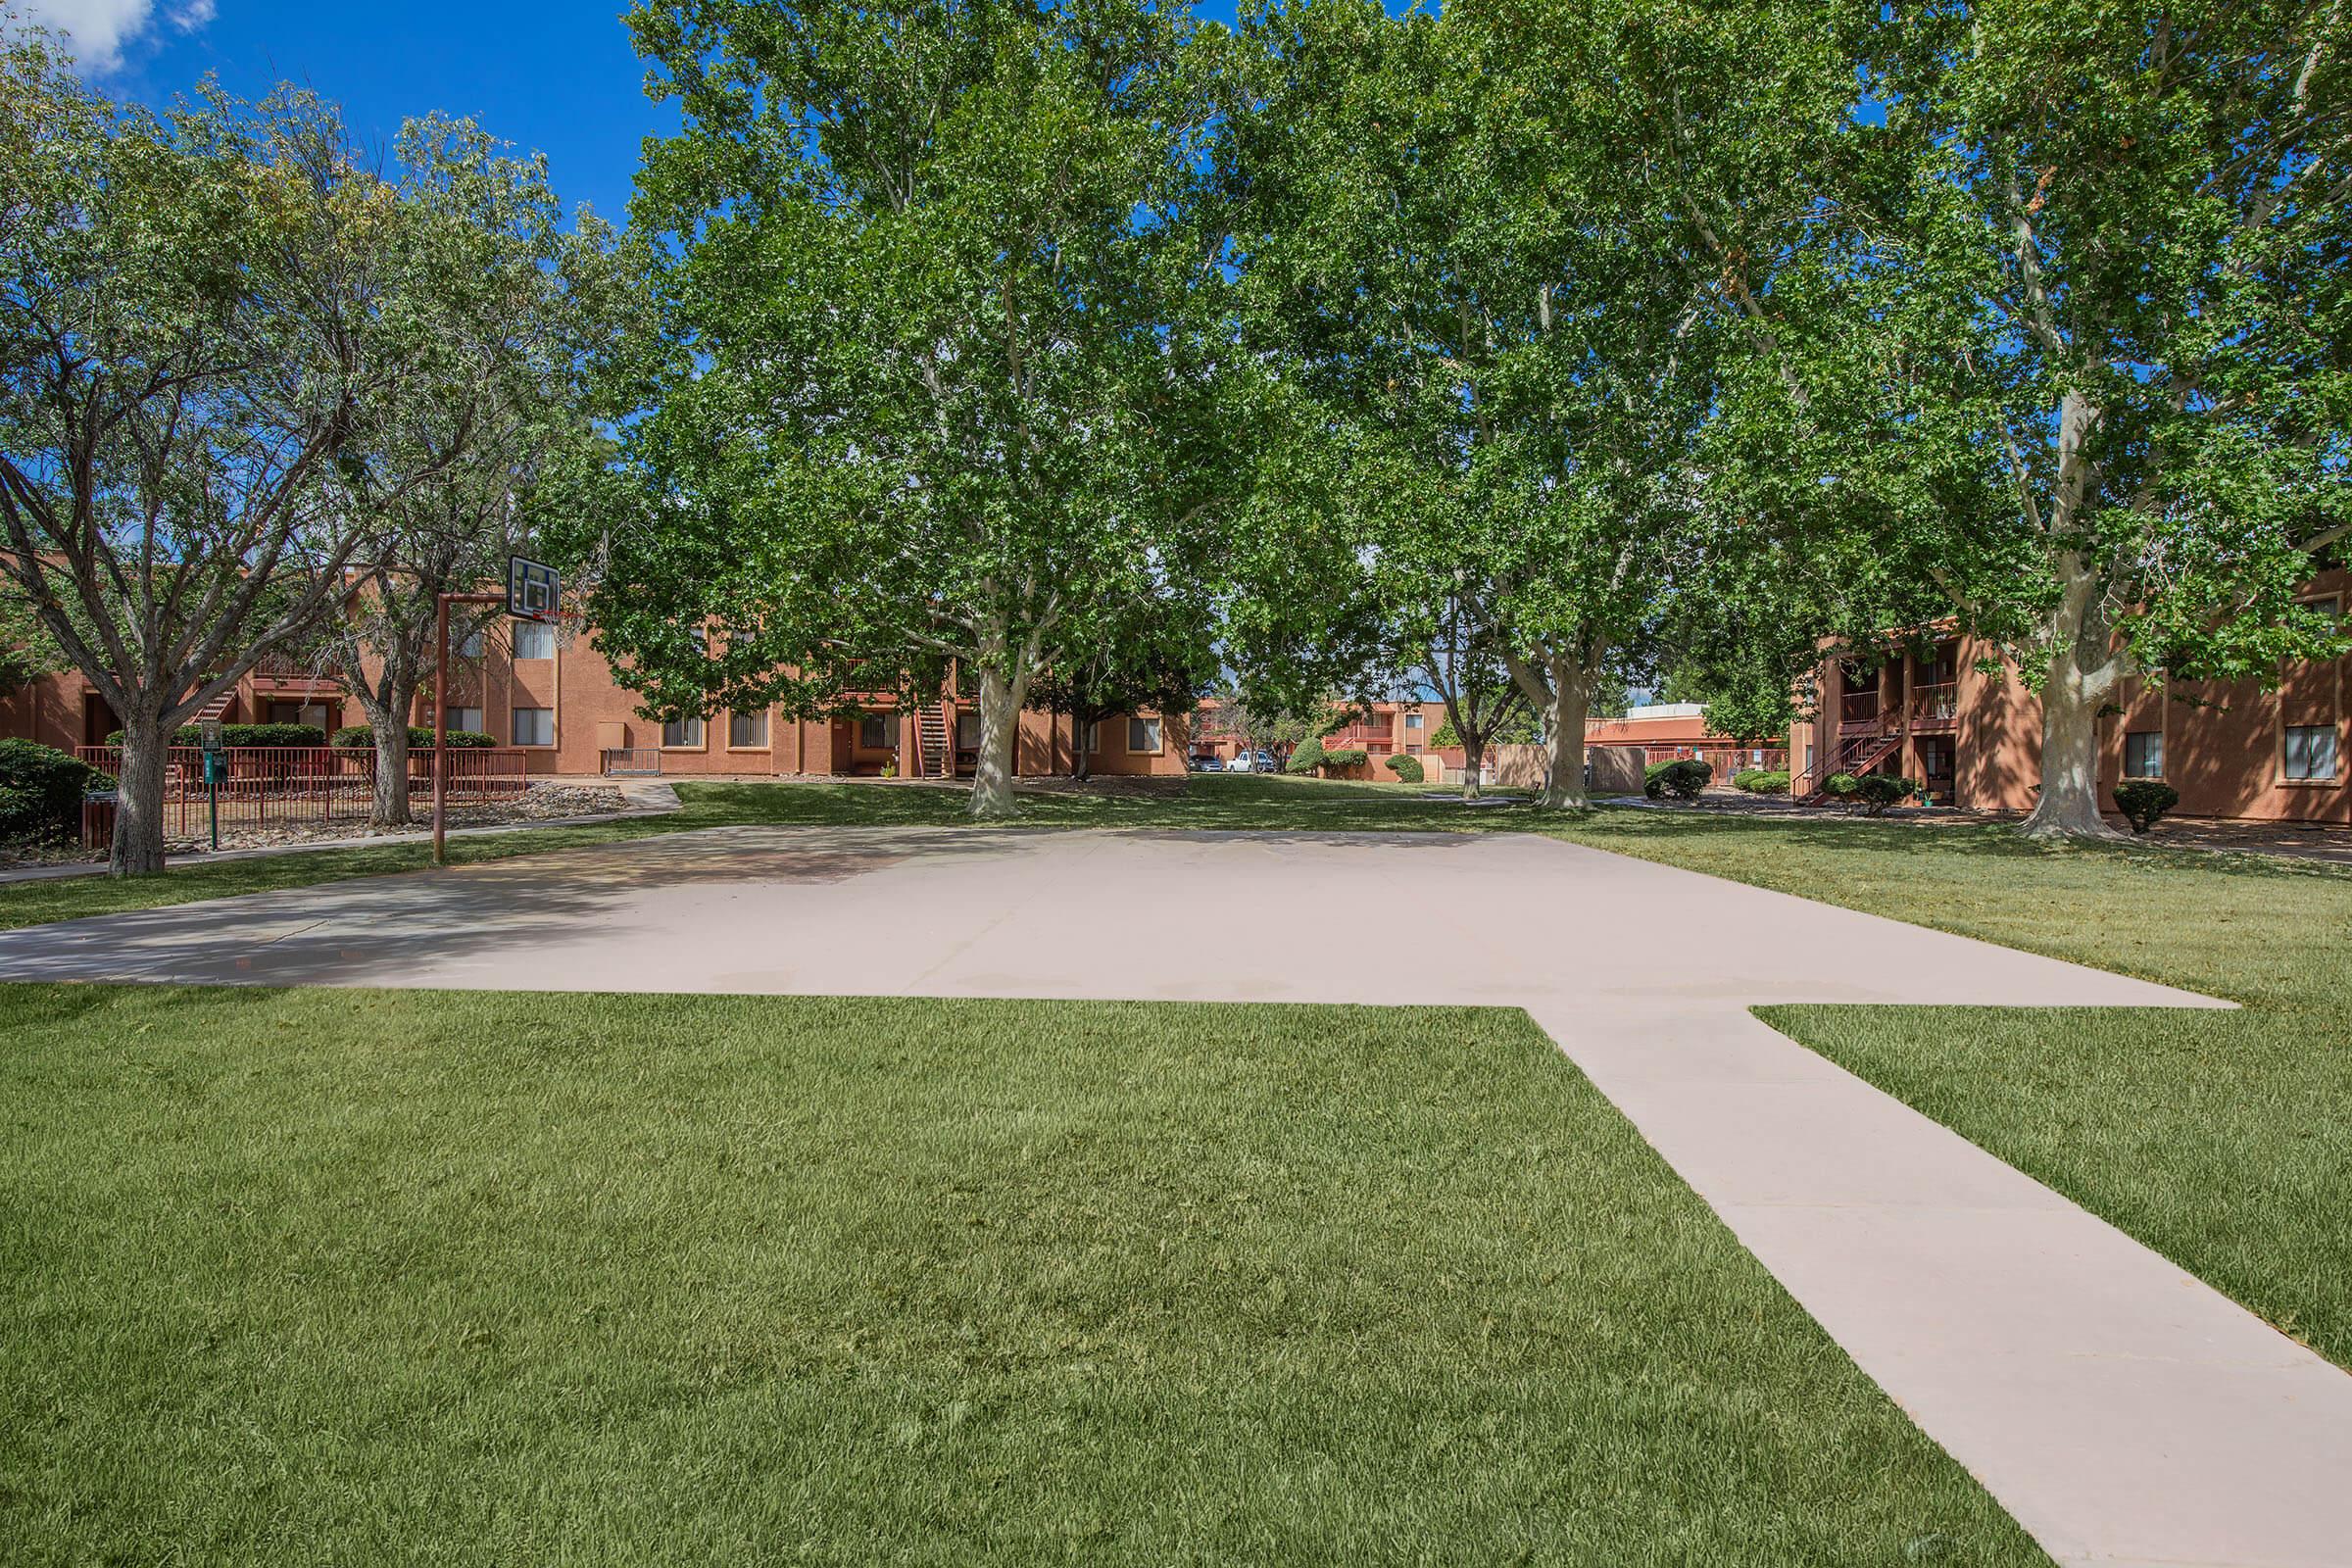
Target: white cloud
100, 30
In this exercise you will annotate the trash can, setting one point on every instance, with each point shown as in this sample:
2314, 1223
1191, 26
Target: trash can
98, 819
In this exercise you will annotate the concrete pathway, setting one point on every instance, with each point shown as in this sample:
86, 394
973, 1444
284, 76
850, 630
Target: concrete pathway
2125, 1412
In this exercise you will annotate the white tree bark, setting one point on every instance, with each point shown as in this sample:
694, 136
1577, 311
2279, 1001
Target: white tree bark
1002, 692
2082, 672
1561, 689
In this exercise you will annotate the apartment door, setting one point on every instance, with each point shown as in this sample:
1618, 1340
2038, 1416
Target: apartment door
1936, 756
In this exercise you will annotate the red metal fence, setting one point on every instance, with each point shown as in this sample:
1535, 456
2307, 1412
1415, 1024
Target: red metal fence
284, 786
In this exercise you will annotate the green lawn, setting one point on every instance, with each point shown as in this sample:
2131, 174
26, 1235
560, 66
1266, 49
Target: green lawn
2220, 1140
298, 1277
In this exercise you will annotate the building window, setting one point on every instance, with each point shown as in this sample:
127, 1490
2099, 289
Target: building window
2310, 751
315, 714
683, 734
471, 645
534, 639
2143, 753
534, 726
747, 731
1412, 722
468, 720
1142, 735
879, 732
968, 731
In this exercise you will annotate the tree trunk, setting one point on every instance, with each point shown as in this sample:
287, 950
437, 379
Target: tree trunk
1082, 759
1564, 735
391, 808
999, 726
390, 721
138, 849
1474, 756
2071, 698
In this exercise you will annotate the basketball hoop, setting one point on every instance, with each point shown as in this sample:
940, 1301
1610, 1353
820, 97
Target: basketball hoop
534, 592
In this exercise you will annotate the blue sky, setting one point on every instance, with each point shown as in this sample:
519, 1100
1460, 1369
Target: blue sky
556, 77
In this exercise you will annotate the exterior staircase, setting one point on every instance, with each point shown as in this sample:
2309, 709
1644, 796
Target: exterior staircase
932, 759
1859, 755
217, 708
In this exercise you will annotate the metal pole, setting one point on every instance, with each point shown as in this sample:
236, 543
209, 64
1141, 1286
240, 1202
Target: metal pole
440, 769
212, 777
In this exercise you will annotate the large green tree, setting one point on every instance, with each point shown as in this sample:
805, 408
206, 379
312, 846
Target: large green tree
2079, 352
923, 391
514, 305
1501, 247
197, 309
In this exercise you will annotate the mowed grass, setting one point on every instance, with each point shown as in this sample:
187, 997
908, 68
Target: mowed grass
297, 1277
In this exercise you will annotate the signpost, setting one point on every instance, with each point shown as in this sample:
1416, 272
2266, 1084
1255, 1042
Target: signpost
534, 592
216, 764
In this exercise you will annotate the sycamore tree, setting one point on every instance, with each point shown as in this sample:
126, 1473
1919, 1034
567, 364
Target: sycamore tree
2083, 355
196, 309
1501, 248
514, 307
923, 392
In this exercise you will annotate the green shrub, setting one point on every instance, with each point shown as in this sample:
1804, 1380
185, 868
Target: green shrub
41, 790
1874, 792
361, 737
1353, 756
1406, 769
245, 735
1308, 758
1767, 782
2144, 801
1841, 785
1685, 778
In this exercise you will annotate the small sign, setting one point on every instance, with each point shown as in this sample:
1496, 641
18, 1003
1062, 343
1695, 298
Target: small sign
534, 592
211, 733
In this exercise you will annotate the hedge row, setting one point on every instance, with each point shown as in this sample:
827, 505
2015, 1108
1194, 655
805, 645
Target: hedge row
245, 735
1761, 781
361, 737
41, 790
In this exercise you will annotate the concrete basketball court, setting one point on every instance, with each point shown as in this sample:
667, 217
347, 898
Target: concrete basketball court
2125, 1412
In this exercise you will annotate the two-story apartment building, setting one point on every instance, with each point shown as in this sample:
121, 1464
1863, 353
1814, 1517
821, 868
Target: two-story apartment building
554, 697
1953, 714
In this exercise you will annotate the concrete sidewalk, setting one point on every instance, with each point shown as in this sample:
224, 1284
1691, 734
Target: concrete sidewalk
2125, 1412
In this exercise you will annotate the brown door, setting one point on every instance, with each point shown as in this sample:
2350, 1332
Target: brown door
98, 721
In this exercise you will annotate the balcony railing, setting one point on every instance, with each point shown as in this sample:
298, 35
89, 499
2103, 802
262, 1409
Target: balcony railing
1859, 708
288, 667
1936, 707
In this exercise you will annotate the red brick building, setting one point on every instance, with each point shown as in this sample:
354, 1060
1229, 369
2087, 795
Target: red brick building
1924, 710
554, 697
